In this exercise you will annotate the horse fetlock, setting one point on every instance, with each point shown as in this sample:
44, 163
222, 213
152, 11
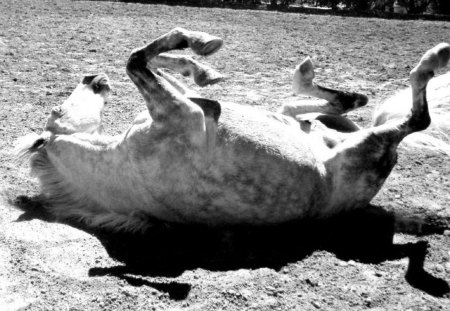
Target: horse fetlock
137, 60
420, 120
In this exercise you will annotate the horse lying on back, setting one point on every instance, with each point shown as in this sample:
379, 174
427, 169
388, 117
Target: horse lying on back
192, 160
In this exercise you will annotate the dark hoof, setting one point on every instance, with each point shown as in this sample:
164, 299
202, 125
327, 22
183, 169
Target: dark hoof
204, 44
207, 77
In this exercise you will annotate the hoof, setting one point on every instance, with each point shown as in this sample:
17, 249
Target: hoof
208, 76
303, 77
204, 44
434, 59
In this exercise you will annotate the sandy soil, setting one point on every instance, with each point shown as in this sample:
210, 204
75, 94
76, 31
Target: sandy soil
354, 262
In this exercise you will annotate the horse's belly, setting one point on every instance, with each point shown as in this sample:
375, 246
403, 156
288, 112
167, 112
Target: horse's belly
259, 171
260, 191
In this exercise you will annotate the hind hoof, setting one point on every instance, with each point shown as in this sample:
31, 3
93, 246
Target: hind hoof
435, 58
303, 77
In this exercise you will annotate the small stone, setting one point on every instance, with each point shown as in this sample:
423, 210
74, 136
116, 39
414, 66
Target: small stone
246, 294
271, 289
447, 266
343, 264
447, 233
439, 268
312, 283
378, 274
316, 304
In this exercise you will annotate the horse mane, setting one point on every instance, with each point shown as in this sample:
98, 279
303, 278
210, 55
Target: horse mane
63, 199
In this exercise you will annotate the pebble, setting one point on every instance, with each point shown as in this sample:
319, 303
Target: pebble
316, 304
447, 266
285, 270
439, 268
447, 232
312, 283
343, 264
185, 304
247, 294
271, 289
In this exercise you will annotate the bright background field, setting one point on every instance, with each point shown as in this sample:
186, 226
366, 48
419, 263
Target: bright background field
49, 45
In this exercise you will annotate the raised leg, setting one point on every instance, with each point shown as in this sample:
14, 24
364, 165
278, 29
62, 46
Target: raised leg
367, 157
336, 102
431, 61
167, 106
177, 84
418, 118
202, 74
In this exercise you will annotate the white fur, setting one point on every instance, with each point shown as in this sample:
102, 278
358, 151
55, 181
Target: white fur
247, 167
437, 137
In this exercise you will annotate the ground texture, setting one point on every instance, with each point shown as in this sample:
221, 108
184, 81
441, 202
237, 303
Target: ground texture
355, 262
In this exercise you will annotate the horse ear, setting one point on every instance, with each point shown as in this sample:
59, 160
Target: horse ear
88, 79
99, 82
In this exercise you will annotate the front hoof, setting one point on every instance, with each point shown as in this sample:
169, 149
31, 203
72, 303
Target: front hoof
204, 44
206, 77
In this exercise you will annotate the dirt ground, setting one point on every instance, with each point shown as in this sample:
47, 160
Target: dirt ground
353, 262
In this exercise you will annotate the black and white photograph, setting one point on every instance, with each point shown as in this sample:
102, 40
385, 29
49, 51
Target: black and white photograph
209, 155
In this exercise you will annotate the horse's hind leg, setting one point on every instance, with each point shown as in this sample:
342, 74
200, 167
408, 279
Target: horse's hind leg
431, 61
336, 101
419, 118
367, 157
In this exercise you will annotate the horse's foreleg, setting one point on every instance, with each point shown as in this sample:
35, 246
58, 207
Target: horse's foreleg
167, 106
202, 74
177, 84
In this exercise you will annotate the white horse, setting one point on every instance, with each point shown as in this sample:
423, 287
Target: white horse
197, 161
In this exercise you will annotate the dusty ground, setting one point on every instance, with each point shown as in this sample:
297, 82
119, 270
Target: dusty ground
348, 263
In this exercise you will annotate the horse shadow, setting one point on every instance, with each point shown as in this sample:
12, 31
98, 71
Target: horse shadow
364, 235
